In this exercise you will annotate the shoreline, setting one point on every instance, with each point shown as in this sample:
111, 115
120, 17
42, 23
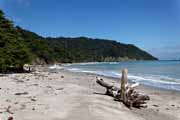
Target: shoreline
64, 95
116, 79
162, 79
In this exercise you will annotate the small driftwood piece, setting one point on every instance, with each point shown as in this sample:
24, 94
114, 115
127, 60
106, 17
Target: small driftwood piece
8, 110
126, 93
110, 89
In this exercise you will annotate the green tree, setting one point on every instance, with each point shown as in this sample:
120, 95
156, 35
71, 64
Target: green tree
13, 50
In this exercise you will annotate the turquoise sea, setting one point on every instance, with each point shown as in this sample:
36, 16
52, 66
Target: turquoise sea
163, 74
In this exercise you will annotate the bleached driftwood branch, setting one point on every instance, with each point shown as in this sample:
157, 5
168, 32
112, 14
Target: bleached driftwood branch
126, 93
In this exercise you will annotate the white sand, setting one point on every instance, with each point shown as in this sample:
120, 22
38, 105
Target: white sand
51, 97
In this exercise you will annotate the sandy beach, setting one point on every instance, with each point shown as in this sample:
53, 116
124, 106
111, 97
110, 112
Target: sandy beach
62, 95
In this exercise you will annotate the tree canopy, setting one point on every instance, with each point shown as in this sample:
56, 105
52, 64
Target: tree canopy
13, 50
81, 49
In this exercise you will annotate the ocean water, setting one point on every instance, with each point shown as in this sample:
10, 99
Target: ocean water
162, 74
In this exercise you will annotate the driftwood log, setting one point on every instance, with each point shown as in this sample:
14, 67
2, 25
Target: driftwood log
126, 93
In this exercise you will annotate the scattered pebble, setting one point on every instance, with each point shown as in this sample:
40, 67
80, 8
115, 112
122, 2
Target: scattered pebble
20, 81
16, 103
24, 93
23, 106
49, 87
62, 76
167, 108
10, 118
8, 100
35, 84
155, 105
60, 89
32, 99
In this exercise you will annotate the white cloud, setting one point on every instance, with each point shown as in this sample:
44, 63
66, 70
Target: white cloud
16, 19
20, 1
167, 52
24, 2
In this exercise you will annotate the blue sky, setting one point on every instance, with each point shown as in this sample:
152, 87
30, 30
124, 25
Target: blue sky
153, 25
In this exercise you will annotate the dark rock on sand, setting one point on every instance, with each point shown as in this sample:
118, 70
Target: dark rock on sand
23, 93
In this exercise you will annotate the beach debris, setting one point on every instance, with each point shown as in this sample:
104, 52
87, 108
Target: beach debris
155, 105
172, 105
23, 106
49, 86
126, 93
8, 100
35, 84
1, 75
23, 93
16, 102
10, 118
32, 99
60, 89
20, 81
8, 110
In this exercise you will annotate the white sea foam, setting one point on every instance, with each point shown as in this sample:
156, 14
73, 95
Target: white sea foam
87, 63
152, 80
113, 63
161, 81
74, 69
93, 63
55, 66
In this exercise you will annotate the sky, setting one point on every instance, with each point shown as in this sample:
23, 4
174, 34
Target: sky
152, 25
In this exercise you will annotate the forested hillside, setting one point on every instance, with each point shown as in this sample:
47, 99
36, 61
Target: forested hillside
84, 49
13, 50
19, 46
81, 49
